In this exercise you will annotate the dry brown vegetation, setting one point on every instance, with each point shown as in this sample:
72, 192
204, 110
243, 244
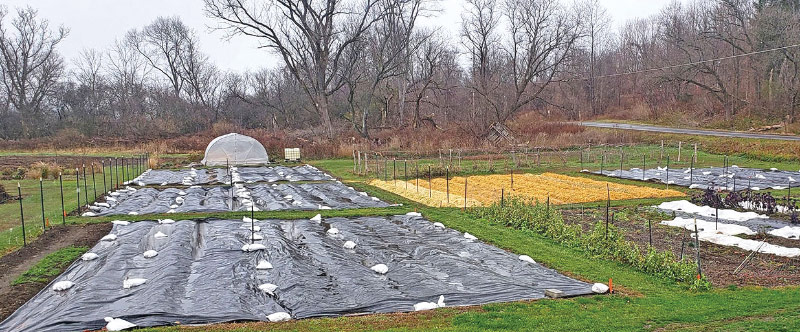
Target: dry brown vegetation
313, 144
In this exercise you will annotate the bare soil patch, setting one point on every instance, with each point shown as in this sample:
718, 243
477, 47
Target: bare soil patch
717, 262
15, 263
69, 162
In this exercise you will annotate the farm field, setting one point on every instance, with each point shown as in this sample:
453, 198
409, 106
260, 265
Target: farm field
644, 302
484, 190
399, 165
637, 291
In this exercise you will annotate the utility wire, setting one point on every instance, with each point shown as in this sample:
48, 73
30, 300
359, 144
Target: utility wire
684, 64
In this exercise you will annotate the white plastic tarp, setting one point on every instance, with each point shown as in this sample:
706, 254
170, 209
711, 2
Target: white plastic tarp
235, 149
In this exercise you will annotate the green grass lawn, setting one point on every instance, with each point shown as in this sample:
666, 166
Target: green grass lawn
51, 265
10, 222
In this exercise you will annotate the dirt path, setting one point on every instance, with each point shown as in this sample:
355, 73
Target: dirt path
15, 263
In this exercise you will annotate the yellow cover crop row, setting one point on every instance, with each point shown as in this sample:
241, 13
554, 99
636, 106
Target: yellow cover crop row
485, 189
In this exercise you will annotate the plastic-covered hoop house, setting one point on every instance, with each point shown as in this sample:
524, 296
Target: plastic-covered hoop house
235, 149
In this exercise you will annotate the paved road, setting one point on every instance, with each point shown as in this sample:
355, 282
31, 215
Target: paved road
737, 134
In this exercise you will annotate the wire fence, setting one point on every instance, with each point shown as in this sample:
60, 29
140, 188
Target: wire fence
383, 164
48, 202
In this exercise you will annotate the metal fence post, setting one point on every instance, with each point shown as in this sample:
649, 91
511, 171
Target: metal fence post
111, 174
41, 195
644, 165
114, 174
94, 183
416, 173
447, 180
405, 172
103, 166
465, 192
512, 177
21, 215
78, 188
85, 188
430, 186
63, 211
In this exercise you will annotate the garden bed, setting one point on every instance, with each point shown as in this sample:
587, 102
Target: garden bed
204, 176
483, 190
205, 271
712, 177
718, 263
283, 196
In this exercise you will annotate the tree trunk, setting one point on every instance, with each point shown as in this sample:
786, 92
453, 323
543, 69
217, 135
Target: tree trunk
401, 100
417, 119
591, 76
322, 108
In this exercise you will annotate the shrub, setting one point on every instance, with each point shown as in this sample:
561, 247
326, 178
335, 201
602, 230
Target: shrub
532, 215
18, 174
43, 170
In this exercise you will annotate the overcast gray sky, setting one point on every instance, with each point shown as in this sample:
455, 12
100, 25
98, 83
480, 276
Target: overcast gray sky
97, 23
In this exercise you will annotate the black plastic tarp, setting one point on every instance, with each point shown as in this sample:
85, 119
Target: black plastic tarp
201, 275
712, 177
280, 173
238, 174
185, 177
267, 197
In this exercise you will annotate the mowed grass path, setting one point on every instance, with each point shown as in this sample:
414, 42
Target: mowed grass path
642, 302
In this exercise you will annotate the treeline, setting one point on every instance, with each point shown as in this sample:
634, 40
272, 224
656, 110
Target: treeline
361, 65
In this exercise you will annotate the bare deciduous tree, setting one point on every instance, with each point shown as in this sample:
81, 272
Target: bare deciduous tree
30, 65
480, 36
427, 72
597, 26
381, 54
309, 36
542, 34
163, 43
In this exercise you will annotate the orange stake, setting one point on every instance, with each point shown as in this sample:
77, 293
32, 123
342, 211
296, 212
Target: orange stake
610, 286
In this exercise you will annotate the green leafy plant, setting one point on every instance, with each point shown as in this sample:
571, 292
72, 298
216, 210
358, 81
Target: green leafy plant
597, 242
